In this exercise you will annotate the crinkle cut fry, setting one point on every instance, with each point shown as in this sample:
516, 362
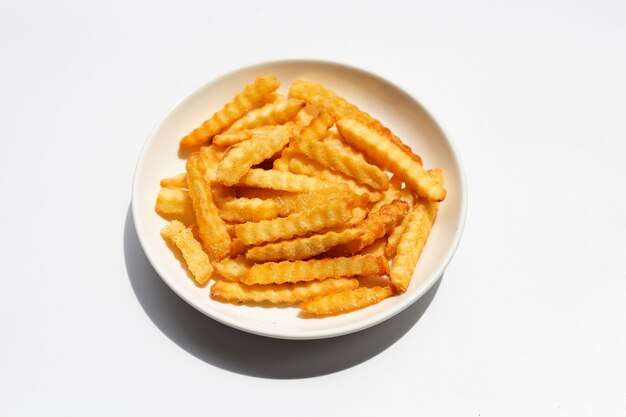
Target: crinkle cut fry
241, 157
333, 214
345, 163
377, 225
414, 237
301, 248
177, 181
253, 93
175, 204
345, 301
232, 269
323, 98
248, 210
314, 269
389, 156
271, 114
232, 138
300, 164
405, 195
283, 181
235, 292
197, 260
212, 229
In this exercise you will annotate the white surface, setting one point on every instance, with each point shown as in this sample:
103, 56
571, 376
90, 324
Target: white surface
529, 318
393, 106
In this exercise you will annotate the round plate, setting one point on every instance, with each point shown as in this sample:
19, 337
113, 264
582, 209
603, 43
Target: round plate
394, 107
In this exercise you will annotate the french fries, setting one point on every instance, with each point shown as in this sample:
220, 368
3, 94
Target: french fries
248, 210
301, 201
314, 269
313, 220
254, 93
212, 229
275, 113
348, 300
325, 99
283, 181
196, 259
301, 248
386, 154
377, 225
241, 157
235, 292
346, 163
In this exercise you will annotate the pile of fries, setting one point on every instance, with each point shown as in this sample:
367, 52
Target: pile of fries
302, 200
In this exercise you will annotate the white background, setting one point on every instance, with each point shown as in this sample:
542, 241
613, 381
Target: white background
530, 317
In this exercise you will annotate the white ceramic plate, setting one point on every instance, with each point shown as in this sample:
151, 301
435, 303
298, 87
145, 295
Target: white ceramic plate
385, 101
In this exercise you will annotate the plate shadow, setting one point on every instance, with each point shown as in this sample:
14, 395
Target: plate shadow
248, 354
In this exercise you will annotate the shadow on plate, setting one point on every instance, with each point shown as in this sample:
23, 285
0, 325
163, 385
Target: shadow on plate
247, 354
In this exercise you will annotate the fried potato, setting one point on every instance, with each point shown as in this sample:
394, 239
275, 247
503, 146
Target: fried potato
394, 236
241, 157
212, 156
237, 247
306, 115
253, 93
174, 203
235, 292
325, 99
345, 301
302, 165
301, 248
411, 243
282, 162
318, 128
232, 269
285, 181
177, 181
375, 249
215, 238
346, 163
196, 259
314, 269
389, 156
238, 136
248, 210
275, 113
377, 225
317, 218
295, 202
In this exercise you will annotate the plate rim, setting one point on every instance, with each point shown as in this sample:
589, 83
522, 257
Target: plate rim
313, 334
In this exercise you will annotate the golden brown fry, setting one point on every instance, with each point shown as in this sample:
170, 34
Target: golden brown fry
215, 238
346, 163
345, 301
375, 249
252, 94
301, 248
177, 181
306, 115
235, 292
318, 128
285, 181
248, 210
175, 204
211, 155
389, 156
394, 236
196, 259
377, 225
232, 269
325, 99
241, 157
238, 136
294, 202
237, 247
317, 218
421, 220
299, 164
314, 269
271, 114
